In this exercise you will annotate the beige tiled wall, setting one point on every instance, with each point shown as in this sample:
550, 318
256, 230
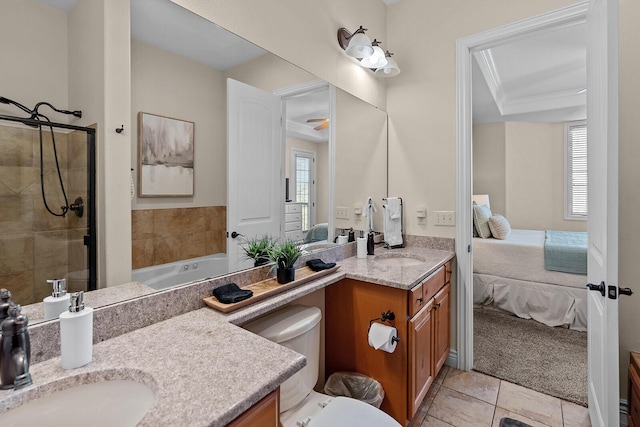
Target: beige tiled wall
160, 236
35, 245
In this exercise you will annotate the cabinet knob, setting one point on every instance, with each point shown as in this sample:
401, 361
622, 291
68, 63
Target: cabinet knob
420, 300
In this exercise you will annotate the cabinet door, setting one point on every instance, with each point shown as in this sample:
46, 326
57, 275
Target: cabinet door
441, 327
421, 371
265, 413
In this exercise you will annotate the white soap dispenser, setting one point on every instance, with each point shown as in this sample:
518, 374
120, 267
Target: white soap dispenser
76, 333
58, 302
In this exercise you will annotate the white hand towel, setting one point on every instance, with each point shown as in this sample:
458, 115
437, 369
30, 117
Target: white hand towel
393, 224
393, 206
369, 209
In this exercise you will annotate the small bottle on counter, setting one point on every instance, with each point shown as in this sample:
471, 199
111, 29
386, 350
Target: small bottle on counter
58, 302
370, 247
76, 333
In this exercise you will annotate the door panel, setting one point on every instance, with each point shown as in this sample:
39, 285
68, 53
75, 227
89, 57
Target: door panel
255, 183
602, 131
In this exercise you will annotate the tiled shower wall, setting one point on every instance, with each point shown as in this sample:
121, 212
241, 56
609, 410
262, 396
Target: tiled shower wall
160, 236
35, 245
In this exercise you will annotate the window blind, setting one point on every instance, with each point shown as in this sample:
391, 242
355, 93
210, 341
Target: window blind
577, 170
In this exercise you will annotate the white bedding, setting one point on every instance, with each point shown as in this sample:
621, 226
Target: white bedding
520, 256
510, 275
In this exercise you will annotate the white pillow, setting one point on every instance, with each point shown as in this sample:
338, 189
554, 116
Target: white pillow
481, 215
500, 227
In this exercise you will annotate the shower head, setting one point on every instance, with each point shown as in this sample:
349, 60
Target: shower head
17, 104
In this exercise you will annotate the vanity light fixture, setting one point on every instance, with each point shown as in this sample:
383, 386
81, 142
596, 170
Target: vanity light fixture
356, 45
389, 70
377, 60
370, 55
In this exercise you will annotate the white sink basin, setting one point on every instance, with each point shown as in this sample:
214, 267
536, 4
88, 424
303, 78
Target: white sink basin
108, 403
399, 260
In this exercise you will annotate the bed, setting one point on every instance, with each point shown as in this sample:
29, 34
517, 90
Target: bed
510, 275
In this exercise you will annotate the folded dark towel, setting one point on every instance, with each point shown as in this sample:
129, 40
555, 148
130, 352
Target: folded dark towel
318, 265
231, 293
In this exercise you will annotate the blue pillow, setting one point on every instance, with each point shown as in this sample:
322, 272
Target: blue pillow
481, 215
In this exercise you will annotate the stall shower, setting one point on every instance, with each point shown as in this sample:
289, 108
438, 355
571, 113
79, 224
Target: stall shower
47, 202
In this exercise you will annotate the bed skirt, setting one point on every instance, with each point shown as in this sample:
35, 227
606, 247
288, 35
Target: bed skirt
552, 305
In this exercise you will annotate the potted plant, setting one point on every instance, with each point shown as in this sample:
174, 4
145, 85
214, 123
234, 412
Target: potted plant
285, 255
258, 248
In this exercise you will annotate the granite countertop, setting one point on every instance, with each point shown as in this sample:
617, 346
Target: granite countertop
367, 270
203, 371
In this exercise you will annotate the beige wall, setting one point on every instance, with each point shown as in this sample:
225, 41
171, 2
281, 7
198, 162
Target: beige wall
535, 177
321, 151
35, 56
170, 85
629, 176
304, 33
521, 167
489, 164
421, 101
361, 159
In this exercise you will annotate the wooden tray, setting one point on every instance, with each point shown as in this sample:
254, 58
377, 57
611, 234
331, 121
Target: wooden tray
269, 287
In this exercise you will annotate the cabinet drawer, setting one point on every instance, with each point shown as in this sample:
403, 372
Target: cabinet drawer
292, 217
293, 208
416, 301
296, 236
292, 226
433, 283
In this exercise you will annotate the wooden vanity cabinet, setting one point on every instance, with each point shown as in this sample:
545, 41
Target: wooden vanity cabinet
633, 417
422, 321
265, 413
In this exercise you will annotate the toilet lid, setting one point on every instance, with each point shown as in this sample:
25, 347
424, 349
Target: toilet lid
347, 412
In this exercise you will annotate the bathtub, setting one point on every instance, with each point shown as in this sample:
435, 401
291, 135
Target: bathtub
166, 276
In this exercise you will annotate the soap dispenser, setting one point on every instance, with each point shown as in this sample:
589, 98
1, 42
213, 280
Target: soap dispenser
76, 333
370, 247
58, 302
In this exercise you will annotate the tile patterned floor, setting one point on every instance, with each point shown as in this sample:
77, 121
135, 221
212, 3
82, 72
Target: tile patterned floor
472, 399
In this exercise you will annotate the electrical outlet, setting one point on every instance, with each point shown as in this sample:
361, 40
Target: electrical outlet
445, 218
342, 212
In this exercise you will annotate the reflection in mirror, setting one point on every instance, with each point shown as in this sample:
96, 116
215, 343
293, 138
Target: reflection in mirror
179, 240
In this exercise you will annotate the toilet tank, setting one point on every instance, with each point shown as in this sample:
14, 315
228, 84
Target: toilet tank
296, 327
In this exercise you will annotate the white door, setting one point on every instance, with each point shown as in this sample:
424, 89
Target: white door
602, 131
255, 179
303, 182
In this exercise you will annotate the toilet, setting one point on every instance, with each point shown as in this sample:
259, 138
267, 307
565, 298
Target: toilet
298, 327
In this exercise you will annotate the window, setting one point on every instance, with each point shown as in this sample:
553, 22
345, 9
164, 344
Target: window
576, 170
303, 174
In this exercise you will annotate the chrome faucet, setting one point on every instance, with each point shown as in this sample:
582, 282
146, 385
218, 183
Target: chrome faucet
15, 349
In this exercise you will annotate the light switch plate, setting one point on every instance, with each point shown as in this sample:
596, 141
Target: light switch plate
342, 212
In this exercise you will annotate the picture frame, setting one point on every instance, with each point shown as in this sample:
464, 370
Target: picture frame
165, 156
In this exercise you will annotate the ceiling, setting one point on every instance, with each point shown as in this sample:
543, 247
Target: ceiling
172, 28
541, 78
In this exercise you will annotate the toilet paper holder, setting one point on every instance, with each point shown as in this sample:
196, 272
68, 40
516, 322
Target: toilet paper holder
386, 316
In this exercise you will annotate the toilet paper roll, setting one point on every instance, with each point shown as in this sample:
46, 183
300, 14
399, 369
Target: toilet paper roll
361, 247
343, 239
381, 337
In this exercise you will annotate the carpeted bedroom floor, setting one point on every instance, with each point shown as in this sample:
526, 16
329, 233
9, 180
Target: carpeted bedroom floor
525, 352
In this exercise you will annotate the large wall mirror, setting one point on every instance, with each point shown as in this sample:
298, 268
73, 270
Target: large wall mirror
333, 153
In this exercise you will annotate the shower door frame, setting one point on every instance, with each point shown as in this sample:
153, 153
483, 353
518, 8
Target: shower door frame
91, 238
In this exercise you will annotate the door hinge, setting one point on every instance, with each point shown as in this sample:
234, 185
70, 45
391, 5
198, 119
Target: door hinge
469, 249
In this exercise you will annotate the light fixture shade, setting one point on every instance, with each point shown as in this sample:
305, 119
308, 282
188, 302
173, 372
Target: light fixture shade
377, 60
389, 70
359, 46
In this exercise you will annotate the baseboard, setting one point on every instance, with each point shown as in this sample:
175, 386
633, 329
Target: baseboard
624, 410
452, 360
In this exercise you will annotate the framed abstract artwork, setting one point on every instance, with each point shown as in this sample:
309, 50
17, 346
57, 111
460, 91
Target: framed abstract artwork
165, 156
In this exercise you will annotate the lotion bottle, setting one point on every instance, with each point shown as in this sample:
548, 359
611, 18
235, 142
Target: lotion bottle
58, 302
76, 333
